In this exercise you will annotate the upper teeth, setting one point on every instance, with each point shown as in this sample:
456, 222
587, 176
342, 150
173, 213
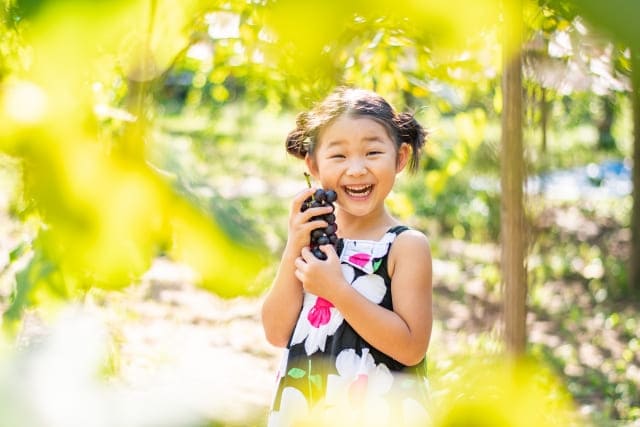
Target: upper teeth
358, 188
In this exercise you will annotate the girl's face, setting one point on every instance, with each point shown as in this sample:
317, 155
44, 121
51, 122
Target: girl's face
357, 158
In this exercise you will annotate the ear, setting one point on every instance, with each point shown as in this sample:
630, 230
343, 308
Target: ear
311, 165
404, 152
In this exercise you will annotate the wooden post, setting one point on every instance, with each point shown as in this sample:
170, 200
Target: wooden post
512, 179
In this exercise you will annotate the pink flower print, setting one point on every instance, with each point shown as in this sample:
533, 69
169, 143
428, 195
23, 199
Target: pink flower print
358, 389
320, 313
362, 253
360, 259
318, 320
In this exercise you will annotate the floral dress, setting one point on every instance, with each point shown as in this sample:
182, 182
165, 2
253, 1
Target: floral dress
328, 372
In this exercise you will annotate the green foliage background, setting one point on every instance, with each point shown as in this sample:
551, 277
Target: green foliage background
132, 130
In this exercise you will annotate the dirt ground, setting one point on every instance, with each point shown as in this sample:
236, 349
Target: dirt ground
168, 324
167, 333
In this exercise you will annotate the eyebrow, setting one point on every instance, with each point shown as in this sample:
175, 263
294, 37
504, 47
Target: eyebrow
334, 143
339, 142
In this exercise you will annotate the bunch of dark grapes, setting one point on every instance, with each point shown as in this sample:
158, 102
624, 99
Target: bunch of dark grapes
326, 235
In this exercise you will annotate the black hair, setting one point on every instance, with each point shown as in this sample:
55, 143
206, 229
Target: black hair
401, 127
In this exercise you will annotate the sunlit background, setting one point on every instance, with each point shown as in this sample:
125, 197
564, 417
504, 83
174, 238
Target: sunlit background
144, 189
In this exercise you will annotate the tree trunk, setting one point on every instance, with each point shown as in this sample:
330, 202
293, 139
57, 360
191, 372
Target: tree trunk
511, 180
544, 116
634, 258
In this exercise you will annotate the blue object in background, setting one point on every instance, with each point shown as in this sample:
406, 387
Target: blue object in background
609, 179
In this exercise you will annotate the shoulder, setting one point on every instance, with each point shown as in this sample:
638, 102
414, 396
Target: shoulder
411, 239
410, 246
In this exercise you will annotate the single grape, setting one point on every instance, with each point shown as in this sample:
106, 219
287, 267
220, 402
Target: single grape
306, 204
319, 254
331, 229
319, 195
323, 240
331, 196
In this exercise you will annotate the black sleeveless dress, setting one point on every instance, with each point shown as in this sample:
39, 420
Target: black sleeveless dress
328, 372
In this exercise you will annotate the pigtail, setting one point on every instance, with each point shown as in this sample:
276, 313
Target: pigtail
412, 133
297, 140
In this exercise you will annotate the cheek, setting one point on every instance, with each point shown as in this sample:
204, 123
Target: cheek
328, 175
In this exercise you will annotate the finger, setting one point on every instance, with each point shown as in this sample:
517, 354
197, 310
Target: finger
309, 226
329, 250
313, 215
299, 263
303, 195
319, 210
306, 254
307, 221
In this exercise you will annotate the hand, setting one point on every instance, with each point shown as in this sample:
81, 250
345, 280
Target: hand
300, 224
321, 278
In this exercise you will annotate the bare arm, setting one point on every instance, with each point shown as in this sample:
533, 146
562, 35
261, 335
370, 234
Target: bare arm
403, 333
283, 301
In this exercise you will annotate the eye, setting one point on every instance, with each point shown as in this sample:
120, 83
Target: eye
336, 156
374, 153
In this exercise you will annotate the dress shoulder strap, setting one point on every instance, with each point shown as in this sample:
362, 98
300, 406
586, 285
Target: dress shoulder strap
397, 229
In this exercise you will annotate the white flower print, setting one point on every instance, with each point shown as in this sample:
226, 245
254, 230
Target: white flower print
293, 409
361, 386
282, 369
414, 413
318, 319
371, 286
348, 272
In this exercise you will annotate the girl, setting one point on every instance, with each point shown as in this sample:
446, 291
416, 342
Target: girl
357, 325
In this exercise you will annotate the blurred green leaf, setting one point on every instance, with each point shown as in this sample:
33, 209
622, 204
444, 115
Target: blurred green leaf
616, 17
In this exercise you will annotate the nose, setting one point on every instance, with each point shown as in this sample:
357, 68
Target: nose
356, 167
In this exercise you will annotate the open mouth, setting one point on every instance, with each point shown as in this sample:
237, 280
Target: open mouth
358, 190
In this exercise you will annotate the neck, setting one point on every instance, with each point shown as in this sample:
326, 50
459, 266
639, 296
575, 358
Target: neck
371, 226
